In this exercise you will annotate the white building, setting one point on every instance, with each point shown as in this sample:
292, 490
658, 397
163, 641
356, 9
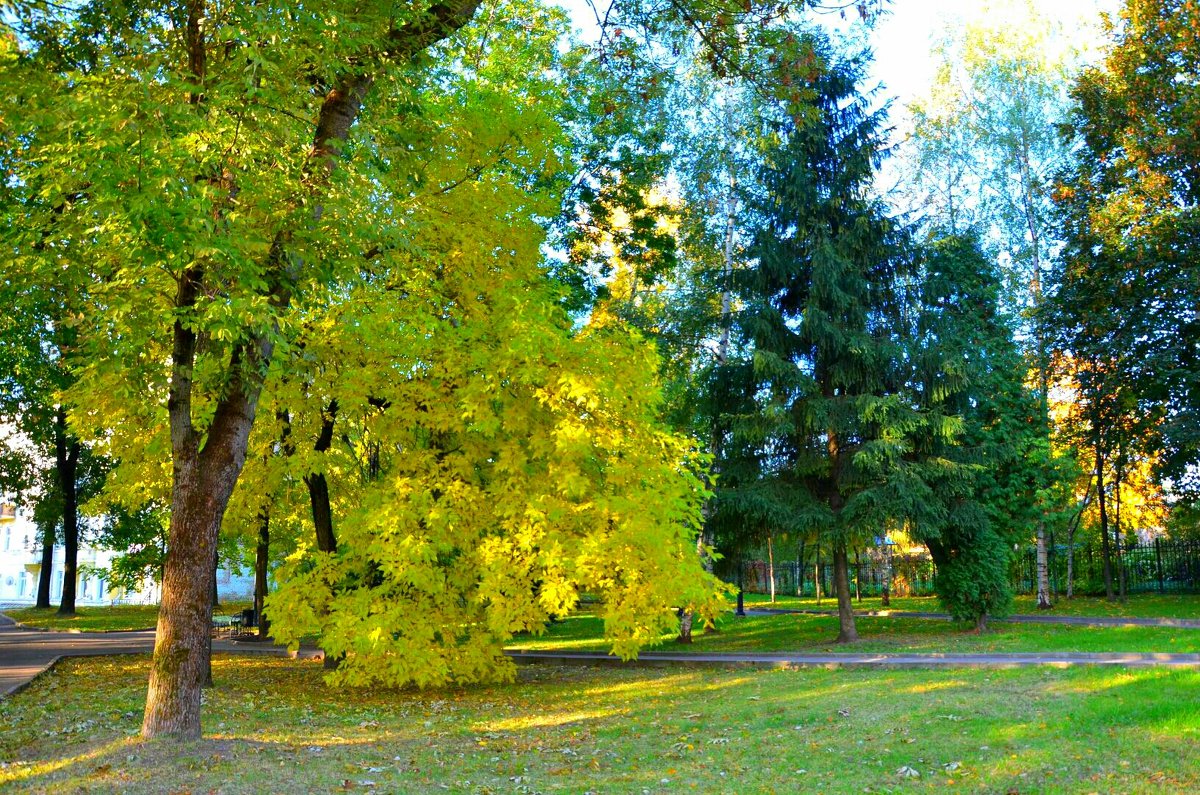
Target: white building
21, 564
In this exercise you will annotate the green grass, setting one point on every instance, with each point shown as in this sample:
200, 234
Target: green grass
109, 618
815, 634
1137, 605
272, 726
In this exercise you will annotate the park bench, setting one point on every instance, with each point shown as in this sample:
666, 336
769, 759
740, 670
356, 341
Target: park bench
226, 625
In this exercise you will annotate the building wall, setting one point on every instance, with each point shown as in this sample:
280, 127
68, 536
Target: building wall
21, 563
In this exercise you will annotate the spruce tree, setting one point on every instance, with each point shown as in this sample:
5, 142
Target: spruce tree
980, 449
819, 437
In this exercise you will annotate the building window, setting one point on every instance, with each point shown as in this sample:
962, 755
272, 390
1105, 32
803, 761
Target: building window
21, 587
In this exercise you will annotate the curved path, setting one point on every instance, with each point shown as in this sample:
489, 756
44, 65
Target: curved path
851, 660
1077, 621
26, 653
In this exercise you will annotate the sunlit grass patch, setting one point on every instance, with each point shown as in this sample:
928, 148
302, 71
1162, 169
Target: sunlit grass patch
106, 618
817, 633
272, 725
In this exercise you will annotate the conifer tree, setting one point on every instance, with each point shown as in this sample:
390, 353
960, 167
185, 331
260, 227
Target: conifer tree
980, 449
818, 420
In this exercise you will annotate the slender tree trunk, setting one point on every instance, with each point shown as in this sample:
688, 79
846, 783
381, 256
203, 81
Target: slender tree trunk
857, 576
261, 551
1071, 564
1043, 578
771, 567
847, 631
1117, 534
318, 496
686, 617
44, 576
1104, 539
214, 603
318, 486
704, 540
817, 576
66, 463
800, 568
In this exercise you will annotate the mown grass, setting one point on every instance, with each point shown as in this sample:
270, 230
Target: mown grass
272, 726
816, 633
126, 617
1135, 606
107, 618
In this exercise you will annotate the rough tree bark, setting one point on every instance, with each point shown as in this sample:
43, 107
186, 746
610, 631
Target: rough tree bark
847, 631
205, 470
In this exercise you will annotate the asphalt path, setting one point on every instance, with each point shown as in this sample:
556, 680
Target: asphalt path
1036, 618
852, 660
26, 653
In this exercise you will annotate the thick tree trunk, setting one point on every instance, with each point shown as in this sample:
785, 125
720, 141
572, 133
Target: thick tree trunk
44, 576
204, 478
847, 632
66, 464
261, 558
182, 644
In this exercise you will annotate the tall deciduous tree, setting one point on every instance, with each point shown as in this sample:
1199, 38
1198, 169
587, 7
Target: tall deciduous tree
987, 151
1125, 317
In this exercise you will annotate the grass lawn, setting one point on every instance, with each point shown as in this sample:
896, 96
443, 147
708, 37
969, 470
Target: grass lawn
109, 618
813, 633
1137, 605
272, 726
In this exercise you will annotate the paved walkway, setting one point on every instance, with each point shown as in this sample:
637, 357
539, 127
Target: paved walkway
1036, 618
26, 653
850, 660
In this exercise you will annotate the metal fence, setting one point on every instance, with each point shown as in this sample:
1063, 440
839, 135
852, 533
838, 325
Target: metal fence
1158, 566
909, 577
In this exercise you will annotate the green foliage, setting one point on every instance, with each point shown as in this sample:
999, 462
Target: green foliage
489, 461
809, 403
1128, 205
972, 581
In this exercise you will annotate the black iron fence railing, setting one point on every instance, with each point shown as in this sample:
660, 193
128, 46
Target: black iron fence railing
1157, 566
909, 577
